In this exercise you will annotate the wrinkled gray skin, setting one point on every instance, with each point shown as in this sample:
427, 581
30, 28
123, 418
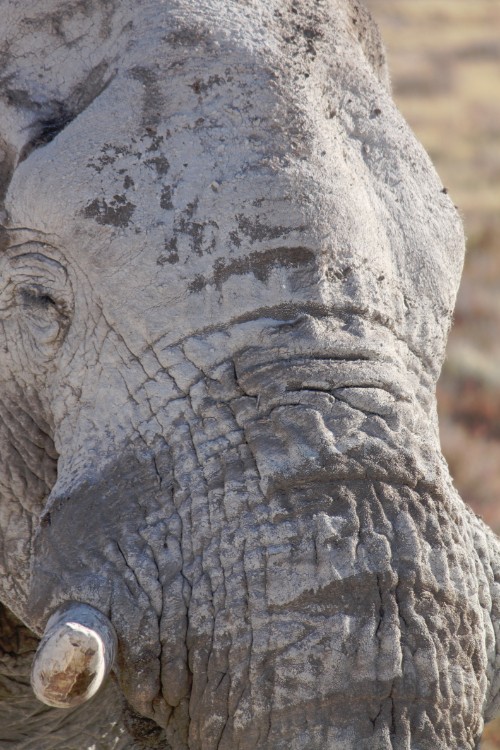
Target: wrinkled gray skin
227, 275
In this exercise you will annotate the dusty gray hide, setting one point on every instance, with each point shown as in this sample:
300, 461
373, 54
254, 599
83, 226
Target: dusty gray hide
227, 277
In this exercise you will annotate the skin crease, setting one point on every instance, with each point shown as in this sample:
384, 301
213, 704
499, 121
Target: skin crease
226, 280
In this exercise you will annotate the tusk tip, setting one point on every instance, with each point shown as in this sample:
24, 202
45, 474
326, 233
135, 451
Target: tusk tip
74, 657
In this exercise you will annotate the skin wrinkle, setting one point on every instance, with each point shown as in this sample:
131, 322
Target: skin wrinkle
38, 477
45, 441
425, 366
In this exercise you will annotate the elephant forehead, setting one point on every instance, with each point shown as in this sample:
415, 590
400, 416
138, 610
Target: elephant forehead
213, 185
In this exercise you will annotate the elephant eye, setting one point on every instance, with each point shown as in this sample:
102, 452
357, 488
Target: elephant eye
44, 315
40, 299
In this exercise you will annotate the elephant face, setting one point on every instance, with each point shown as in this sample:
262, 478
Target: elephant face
226, 285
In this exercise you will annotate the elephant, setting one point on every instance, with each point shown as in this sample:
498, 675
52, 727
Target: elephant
227, 275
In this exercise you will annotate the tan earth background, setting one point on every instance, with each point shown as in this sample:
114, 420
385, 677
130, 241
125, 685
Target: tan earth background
444, 57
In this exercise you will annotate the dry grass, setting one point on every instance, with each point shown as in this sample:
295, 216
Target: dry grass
445, 63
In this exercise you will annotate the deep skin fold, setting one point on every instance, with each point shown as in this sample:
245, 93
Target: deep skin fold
236, 376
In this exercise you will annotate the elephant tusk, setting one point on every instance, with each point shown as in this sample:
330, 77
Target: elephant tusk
74, 657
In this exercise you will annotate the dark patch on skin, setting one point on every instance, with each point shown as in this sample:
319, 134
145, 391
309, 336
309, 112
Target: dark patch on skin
144, 75
191, 208
160, 163
156, 140
19, 98
185, 36
116, 213
172, 258
110, 153
145, 732
309, 33
198, 284
202, 234
261, 264
339, 273
302, 30
235, 238
201, 87
128, 182
105, 158
152, 100
171, 255
166, 198
253, 229
195, 229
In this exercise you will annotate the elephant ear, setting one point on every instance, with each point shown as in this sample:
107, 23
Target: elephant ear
367, 33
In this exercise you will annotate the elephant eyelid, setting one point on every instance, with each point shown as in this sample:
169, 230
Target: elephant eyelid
33, 258
41, 281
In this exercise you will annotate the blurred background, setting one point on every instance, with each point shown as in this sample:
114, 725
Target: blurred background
444, 58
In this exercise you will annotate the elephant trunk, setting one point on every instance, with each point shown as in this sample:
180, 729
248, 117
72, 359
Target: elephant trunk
286, 567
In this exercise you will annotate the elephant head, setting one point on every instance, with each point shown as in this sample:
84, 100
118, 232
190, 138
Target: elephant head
226, 281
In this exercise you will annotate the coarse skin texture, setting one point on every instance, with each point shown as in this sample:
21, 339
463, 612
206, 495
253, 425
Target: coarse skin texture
227, 275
